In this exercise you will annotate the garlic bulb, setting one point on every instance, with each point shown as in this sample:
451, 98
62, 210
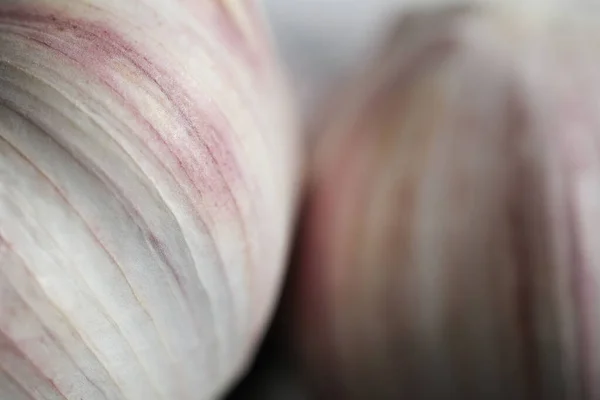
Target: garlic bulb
448, 248
148, 164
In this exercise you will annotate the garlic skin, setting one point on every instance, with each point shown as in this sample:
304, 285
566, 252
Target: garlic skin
148, 175
449, 246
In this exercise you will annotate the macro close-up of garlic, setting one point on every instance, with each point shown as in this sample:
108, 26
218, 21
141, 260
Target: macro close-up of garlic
148, 174
399, 195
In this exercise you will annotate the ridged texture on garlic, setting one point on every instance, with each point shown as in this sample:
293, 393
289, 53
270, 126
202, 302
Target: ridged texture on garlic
147, 175
449, 249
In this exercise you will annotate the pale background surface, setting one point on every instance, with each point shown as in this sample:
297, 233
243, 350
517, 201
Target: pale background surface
319, 39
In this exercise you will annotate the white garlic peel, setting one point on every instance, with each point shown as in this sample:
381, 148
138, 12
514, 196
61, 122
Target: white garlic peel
147, 181
449, 248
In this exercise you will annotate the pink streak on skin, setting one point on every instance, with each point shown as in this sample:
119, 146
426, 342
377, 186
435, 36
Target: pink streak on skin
92, 46
232, 33
7, 248
10, 349
234, 37
206, 128
216, 14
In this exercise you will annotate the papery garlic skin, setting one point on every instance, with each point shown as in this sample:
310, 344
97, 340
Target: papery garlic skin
449, 249
148, 164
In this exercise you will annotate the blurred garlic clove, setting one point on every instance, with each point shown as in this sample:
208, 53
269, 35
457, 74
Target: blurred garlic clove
448, 248
148, 164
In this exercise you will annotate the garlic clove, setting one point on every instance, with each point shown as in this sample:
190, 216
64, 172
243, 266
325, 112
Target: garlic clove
448, 249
